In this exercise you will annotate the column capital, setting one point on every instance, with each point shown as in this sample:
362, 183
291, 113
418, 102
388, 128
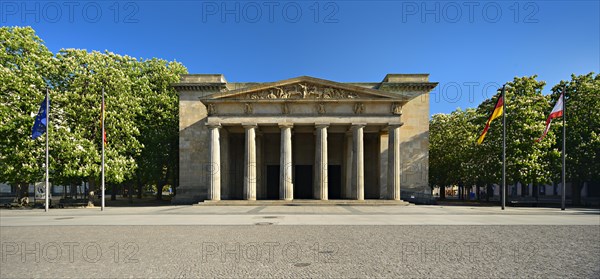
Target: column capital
249, 125
321, 125
286, 125
358, 125
214, 125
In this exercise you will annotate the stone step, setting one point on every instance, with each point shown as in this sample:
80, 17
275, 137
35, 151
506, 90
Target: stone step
301, 203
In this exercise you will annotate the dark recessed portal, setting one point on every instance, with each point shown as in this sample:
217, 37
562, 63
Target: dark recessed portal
303, 182
273, 182
334, 182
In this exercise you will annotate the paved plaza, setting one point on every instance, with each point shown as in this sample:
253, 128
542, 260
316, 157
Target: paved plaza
300, 242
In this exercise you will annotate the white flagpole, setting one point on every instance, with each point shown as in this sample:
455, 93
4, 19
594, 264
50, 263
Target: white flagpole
47, 199
564, 116
102, 141
503, 148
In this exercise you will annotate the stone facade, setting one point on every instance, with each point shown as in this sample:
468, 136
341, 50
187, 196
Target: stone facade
302, 138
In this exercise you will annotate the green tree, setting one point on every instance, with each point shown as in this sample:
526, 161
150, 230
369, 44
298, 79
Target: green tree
159, 124
527, 161
26, 70
451, 151
85, 75
438, 159
583, 130
141, 114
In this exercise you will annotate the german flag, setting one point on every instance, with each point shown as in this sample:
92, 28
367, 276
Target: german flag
498, 110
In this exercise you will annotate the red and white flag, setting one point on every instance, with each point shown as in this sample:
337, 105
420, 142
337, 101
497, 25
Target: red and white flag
557, 111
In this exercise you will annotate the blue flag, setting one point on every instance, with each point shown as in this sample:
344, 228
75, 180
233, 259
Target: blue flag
41, 121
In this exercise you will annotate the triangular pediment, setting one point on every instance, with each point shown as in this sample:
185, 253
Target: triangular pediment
305, 88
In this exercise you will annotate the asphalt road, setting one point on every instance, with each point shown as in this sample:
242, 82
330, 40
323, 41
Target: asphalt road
54, 245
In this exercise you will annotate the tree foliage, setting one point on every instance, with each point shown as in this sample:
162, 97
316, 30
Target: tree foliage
141, 113
455, 158
583, 129
26, 68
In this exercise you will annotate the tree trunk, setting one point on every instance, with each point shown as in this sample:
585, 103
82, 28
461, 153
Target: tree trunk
159, 188
442, 192
175, 185
509, 192
22, 190
488, 191
130, 191
92, 186
113, 192
159, 191
576, 192
73, 190
162, 183
140, 187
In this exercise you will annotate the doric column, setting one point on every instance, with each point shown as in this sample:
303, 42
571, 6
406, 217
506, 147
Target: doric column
393, 179
286, 187
260, 190
225, 164
250, 163
214, 188
383, 163
321, 161
358, 167
348, 163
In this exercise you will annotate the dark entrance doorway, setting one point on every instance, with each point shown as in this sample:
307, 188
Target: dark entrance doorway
303, 182
273, 182
334, 182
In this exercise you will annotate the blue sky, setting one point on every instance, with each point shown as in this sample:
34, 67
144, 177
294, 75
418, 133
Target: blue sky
469, 47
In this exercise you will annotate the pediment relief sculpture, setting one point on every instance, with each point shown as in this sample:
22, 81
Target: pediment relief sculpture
302, 91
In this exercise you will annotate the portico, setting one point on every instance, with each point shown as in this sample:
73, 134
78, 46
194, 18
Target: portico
297, 139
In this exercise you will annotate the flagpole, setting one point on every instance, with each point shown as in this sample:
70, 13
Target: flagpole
503, 147
102, 141
47, 198
564, 119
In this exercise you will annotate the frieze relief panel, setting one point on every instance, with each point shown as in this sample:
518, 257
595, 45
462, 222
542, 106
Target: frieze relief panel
317, 108
304, 91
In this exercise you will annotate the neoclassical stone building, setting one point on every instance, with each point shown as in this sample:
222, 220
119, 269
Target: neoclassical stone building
302, 138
